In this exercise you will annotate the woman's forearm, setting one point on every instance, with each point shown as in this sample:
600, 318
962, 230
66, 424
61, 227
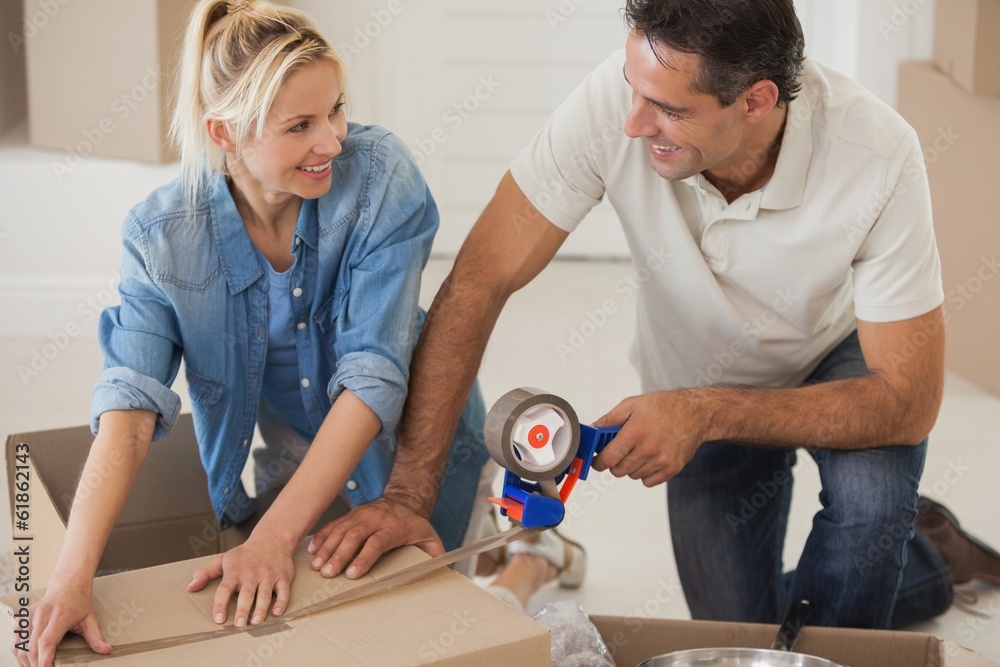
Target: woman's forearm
342, 440
108, 477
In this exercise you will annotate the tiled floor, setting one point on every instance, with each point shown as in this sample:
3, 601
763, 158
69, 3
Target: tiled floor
622, 523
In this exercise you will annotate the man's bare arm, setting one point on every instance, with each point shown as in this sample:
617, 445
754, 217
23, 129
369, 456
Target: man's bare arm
895, 404
509, 245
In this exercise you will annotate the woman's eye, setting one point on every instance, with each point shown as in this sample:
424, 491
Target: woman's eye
301, 126
336, 110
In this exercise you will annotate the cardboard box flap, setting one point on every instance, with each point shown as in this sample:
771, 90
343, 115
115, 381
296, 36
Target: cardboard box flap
632, 640
58, 456
150, 618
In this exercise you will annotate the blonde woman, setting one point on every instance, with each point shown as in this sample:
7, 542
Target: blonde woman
283, 268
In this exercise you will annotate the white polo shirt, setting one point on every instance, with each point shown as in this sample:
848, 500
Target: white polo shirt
758, 291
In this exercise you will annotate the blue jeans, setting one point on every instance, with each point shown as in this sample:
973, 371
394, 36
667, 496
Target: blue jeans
863, 564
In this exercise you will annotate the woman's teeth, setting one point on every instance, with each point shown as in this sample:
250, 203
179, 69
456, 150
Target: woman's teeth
317, 169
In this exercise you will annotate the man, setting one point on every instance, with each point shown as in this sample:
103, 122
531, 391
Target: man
795, 304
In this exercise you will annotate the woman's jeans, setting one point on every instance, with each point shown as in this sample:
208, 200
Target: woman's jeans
863, 564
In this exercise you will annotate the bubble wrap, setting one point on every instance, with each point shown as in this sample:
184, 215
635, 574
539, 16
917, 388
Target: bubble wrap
575, 640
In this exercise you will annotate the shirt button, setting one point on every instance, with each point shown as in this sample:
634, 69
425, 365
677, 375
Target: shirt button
246, 441
300, 326
305, 382
298, 241
351, 485
297, 292
225, 491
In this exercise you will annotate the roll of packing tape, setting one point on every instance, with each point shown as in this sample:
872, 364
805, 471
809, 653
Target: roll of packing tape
520, 427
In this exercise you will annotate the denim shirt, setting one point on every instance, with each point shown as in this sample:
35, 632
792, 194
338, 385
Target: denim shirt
192, 287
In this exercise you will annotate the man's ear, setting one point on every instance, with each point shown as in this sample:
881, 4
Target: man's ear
759, 99
219, 133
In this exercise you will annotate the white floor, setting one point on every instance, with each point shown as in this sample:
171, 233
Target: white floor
622, 524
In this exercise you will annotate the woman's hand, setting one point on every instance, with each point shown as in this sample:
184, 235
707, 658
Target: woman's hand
63, 609
253, 571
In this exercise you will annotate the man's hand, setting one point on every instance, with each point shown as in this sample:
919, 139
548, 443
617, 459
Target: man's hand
367, 532
254, 571
62, 610
660, 433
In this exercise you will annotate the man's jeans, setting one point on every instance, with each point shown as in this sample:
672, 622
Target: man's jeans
863, 564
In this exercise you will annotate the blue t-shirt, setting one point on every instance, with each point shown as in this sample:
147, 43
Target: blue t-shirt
281, 386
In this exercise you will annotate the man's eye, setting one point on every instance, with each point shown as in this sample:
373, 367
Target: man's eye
669, 114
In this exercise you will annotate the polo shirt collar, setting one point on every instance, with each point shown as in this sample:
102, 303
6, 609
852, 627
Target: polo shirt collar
787, 185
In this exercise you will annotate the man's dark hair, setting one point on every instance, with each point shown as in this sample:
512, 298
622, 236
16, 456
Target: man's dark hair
740, 42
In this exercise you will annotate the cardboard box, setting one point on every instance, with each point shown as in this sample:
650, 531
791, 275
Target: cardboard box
99, 75
168, 516
965, 43
444, 619
632, 640
960, 136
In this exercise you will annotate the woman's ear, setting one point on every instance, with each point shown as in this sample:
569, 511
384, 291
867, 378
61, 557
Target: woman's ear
219, 133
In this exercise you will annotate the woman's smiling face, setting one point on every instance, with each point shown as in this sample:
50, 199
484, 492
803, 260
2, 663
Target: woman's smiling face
302, 134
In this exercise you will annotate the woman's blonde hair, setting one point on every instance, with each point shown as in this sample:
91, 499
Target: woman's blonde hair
237, 54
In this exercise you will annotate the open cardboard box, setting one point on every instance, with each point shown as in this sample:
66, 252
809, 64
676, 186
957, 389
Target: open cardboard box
632, 640
444, 619
168, 516
151, 620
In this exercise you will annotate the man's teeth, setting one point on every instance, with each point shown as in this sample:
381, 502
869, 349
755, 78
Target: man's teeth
665, 148
317, 169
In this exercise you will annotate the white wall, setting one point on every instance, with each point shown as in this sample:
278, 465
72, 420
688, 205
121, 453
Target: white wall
59, 244
466, 85
867, 39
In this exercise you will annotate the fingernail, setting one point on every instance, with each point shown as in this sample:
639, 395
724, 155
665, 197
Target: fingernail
316, 562
352, 572
219, 618
328, 570
256, 619
311, 548
277, 611
240, 622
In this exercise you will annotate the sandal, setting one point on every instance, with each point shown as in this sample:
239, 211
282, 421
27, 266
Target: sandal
568, 557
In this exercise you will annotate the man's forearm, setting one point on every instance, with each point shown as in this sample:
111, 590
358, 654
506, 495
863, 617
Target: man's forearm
444, 368
509, 245
856, 413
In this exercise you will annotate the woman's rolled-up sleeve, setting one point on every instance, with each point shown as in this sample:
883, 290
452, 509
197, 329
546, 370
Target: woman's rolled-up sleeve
375, 325
140, 341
